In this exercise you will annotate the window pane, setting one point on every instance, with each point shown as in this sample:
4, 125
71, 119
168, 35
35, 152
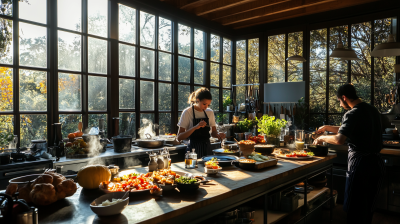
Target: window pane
6, 8
215, 99
126, 94
97, 93
33, 10
183, 95
69, 51
165, 123
32, 90
318, 59
6, 43
295, 47
227, 51
253, 61
184, 46
6, 87
146, 95
69, 123
146, 64
164, 35
316, 121
276, 58
184, 69
7, 123
94, 121
164, 96
97, 17
214, 74
147, 29
215, 44
337, 67
227, 76
361, 70
32, 126
32, 45
164, 66
69, 92
199, 43
97, 56
240, 70
126, 60
127, 24
69, 14
335, 120
127, 124
383, 66
199, 69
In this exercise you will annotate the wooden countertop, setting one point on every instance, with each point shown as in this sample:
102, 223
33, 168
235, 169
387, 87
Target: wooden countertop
389, 151
229, 185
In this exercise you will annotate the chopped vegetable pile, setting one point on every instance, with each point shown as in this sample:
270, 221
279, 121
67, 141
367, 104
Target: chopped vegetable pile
186, 180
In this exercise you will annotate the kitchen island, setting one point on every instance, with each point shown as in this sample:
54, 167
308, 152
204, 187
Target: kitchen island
231, 188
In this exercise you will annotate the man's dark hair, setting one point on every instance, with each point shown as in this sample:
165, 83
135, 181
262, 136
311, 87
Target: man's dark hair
347, 90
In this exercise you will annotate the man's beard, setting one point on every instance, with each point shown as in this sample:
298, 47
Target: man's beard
345, 105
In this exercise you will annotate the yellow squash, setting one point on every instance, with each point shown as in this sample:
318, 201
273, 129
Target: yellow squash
90, 177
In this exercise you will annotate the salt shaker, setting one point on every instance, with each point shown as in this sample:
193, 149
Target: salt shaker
160, 162
153, 162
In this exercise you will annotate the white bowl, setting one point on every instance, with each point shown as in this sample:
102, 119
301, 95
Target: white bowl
111, 209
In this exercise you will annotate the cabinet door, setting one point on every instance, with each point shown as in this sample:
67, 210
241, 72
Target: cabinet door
394, 189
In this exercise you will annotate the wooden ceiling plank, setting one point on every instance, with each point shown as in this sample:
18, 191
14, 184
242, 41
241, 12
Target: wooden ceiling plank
244, 8
276, 9
191, 4
301, 12
218, 6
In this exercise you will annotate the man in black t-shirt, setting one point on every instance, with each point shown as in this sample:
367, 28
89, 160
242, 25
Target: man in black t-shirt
361, 127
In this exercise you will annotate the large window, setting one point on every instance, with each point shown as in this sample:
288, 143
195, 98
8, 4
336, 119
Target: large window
372, 77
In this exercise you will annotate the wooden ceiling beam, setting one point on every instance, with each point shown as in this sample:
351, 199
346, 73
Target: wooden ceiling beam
218, 6
301, 12
244, 8
189, 5
275, 9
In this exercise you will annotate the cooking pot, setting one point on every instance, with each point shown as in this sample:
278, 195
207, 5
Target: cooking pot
122, 143
39, 145
319, 150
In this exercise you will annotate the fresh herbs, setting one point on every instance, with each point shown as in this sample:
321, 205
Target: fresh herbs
186, 180
227, 102
269, 125
246, 124
310, 153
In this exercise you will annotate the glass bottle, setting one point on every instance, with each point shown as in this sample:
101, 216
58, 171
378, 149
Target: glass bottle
194, 158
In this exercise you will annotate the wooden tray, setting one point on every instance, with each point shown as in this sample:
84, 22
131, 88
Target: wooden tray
262, 165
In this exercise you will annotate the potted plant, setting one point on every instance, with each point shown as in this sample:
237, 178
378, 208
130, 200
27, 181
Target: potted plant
220, 118
244, 126
5, 139
271, 128
228, 103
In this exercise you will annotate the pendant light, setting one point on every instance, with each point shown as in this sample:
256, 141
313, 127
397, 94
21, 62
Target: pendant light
391, 48
342, 53
296, 57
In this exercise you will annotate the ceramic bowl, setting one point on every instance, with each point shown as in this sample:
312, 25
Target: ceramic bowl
188, 187
168, 187
265, 149
111, 209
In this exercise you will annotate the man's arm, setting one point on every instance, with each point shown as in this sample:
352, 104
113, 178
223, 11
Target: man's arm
337, 139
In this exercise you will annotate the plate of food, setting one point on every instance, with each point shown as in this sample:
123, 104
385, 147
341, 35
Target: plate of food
223, 160
298, 155
392, 143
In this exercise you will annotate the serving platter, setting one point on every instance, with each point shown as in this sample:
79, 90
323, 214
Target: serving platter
223, 160
391, 145
295, 158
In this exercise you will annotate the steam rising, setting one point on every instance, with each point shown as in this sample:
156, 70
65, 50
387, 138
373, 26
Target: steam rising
94, 150
148, 127
131, 161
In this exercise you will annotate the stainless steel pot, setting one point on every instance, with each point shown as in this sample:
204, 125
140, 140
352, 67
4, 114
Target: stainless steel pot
122, 143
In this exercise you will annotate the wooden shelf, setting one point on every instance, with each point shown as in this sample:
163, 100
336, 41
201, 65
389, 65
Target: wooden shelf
275, 216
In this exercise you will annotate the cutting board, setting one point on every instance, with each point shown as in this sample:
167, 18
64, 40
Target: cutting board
262, 165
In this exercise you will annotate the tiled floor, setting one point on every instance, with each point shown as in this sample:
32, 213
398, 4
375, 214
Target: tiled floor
339, 217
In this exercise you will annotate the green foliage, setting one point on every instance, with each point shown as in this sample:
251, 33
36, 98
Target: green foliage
269, 125
301, 114
227, 102
221, 117
246, 124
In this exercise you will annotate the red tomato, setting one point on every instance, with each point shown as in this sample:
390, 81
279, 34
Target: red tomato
215, 167
155, 187
147, 174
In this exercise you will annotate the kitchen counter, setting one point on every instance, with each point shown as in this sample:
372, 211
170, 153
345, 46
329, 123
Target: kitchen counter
232, 187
